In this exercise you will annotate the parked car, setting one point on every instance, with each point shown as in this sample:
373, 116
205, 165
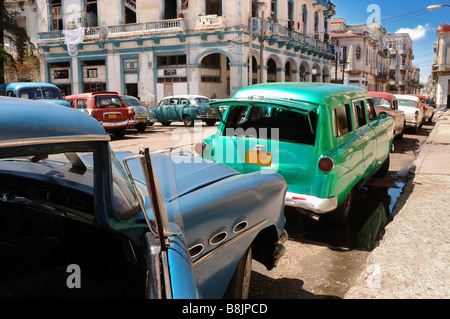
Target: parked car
106, 107
79, 220
45, 92
186, 109
318, 136
428, 110
411, 105
388, 102
143, 116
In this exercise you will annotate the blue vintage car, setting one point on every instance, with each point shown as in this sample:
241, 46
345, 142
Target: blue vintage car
46, 92
78, 220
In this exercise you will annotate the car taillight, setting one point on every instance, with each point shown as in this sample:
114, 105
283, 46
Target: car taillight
326, 164
416, 115
199, 147
131, 111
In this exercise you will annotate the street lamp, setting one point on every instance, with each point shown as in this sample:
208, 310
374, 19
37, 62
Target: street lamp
437, 6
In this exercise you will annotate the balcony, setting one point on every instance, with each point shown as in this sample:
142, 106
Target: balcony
209, 21
276, 33
117, 31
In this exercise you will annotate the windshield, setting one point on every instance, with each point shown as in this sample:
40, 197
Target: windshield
408, 103
199, 100
271, 123
132, 101
33, 93
382, 103
124, 198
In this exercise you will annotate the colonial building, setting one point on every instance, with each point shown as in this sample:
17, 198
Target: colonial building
152, 49
363, 59
403, 75
441, 68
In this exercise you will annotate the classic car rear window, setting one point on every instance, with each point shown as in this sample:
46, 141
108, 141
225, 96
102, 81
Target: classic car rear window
381, 103
408, 103
108, 101
272, 123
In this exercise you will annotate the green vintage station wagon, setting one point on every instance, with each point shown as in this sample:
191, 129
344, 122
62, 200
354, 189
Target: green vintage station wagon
326, 140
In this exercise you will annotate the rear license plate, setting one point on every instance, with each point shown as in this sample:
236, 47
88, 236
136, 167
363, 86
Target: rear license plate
213, 111
258, 158
112, 116
141, 120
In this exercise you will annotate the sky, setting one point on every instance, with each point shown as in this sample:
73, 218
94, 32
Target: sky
403, 16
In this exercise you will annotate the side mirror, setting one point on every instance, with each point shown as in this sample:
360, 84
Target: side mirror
383, 115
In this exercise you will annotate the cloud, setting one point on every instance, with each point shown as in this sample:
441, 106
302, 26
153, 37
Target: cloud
417, 33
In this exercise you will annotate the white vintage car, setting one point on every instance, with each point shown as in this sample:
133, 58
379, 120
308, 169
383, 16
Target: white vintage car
411, 105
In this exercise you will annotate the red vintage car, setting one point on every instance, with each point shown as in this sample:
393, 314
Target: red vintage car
428, 111
388, 102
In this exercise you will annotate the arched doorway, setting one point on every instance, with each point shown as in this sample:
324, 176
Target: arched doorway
303, 72
214, 73
289, 68
315, 73
271, 70
254, 75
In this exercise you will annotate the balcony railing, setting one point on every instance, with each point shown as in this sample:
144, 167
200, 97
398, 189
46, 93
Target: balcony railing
120, 30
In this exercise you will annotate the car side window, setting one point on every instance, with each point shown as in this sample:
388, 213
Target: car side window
184, 101
163, 102
173, 101
81, 104
371, 109
359, 114
342, 120
395, 105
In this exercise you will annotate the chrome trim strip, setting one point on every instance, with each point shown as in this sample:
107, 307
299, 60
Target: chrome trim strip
54, 140
228, 243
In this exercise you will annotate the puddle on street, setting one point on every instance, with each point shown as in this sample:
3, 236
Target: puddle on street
371, 212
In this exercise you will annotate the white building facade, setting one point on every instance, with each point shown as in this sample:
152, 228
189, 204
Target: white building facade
441, 68
153, 49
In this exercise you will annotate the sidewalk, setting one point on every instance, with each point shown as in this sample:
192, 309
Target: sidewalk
412, 260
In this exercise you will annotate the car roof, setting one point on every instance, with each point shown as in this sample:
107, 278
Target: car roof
311, 92
188, 96
44, 123
90, 94
20, 85
407, 97
386, 95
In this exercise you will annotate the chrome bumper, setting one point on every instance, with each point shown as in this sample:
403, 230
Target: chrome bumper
208, 117
114, 125
311, 203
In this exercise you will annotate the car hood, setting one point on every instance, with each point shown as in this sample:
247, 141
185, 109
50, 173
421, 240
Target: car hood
189, 173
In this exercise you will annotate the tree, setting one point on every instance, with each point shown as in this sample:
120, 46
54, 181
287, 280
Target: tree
17, 36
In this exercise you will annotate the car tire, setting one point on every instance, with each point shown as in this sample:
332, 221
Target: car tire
340, 215
166, 123
120, 133
210, 122
141, 127
239, 285
188, 121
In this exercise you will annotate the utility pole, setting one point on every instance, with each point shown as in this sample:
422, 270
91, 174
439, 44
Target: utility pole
250, 46
261, 50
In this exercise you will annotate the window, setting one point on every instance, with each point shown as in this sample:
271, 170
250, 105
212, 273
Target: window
171, 60
360, 114
184, 101
358, 53
107, 101
342, 120
92, 73
81, 104
371, 109
214, 7
56, 15
61, 74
